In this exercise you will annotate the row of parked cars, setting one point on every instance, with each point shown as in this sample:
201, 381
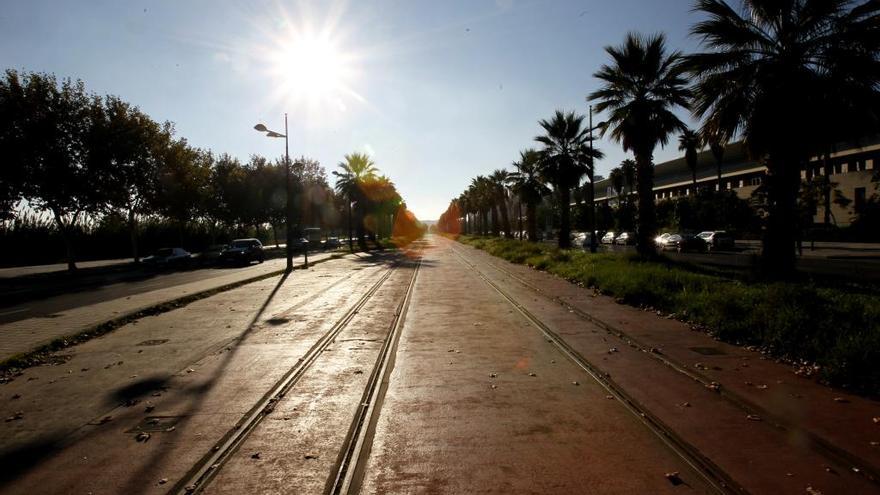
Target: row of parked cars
239, 252
707, 241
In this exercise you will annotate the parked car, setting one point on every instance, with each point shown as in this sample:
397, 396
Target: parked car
332, 243
661, 239
625, 238
211, 255
717, 240
300, 245
168, 258
578, 239
243, 251
608, 238
685, 243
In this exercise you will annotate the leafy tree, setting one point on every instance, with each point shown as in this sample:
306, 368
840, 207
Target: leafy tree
183, 186
131, 143
526, 182
53, 140
640, 88
565, 159
778, 73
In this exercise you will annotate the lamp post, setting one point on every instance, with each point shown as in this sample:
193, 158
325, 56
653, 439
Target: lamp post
591, 174
289, 203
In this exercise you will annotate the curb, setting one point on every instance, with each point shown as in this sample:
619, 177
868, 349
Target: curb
13, 365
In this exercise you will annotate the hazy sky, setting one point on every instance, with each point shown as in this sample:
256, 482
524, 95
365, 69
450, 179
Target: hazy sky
436, 91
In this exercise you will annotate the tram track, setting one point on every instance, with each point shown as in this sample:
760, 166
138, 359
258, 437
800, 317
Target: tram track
349, 468
819, 445
201, 474
712, 474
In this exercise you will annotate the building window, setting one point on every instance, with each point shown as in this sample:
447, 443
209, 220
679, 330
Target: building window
755, 181
837, 168
857, 166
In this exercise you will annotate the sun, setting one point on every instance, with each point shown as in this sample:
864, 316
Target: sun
310, 68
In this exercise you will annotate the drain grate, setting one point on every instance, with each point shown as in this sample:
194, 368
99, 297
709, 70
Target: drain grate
155, 423
708, 351
153, 342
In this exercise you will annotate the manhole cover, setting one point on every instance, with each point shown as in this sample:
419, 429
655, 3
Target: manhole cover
153, 342
707, 351
155, 423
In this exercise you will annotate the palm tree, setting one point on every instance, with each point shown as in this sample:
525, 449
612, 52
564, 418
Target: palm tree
783, 75
499, 181
356, 170
717, 148
481, 194
641, 87
526, 182
565, 159
689, 141
629, 177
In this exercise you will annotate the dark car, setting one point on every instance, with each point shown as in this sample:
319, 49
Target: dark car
211, 255
243, 251
168, 258
717, 240
332, 243
685, 243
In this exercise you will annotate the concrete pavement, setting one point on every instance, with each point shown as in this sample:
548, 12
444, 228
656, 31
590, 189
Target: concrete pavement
25, 335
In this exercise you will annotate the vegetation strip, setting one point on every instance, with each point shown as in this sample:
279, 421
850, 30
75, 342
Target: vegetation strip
842, 457
11, 367
802, 324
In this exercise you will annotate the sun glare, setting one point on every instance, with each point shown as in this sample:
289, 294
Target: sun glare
311, 69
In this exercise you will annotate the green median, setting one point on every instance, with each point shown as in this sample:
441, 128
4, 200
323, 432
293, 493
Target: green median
827, 330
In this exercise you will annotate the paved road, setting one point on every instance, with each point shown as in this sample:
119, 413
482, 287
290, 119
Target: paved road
437, 371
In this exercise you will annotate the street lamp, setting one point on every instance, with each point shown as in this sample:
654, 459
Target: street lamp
289, 204
591, 174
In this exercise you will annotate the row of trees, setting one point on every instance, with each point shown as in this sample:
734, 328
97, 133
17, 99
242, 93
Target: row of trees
73, 157
791, 79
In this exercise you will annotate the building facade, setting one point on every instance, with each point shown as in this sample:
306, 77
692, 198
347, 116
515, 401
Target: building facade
851, 170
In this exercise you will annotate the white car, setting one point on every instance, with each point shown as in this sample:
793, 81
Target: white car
608, 238
625, 238
168, 257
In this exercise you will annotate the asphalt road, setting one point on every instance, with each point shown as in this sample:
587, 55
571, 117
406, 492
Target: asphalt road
136, 283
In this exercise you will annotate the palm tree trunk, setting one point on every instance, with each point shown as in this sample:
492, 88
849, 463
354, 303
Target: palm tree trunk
505, 218
564, 240
826, 189
779, 239
647, 218
519, 218
532, 221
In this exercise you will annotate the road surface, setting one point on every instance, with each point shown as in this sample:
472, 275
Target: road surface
438, 370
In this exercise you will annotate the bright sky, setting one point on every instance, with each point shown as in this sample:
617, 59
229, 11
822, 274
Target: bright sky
436, 91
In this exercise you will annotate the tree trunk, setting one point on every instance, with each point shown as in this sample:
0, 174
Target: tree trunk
591, 214
505, 218
647, 218
350, 240
519, 219
564, 240
274, 233
826, 189
68, 242
133, 233
532, 221
778, 243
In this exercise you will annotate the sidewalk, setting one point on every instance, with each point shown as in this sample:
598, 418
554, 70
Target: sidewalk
26, 335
